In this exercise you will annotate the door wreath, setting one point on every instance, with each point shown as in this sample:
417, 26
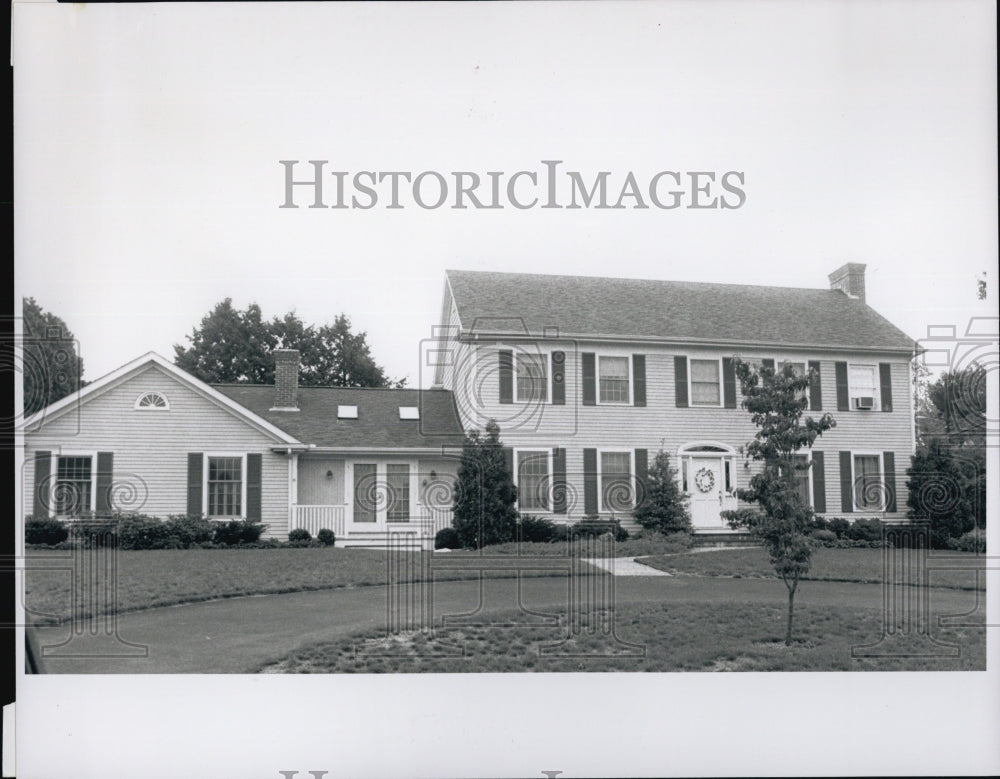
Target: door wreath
705, 479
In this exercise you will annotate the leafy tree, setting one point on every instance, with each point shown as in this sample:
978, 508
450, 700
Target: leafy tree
776, 401
664, 507
233, 346
947, 477
483, 511
51, 367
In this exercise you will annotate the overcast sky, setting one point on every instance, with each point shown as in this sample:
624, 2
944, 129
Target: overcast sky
148, 140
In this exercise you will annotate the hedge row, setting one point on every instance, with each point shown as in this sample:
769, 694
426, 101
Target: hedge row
533, 529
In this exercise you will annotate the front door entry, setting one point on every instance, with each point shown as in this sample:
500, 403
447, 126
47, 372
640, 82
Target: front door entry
706, 493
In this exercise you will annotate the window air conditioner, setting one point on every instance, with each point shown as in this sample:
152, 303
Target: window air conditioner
865, 404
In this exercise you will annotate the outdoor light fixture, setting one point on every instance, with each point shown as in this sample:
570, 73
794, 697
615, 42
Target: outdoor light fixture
329, 475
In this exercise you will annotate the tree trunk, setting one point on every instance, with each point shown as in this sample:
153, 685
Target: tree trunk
791, 601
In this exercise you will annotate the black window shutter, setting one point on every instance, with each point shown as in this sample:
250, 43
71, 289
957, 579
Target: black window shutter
254, 468
506, 376
815, 387
681, 381
559, 480
728, 382
43, 470
639, 379
889, 480
508, 461
558, 378
105, 476
589, 481
843, 396
589, 373
819, 483
846, 487
885, 383
195, 462
767, 362
641, 475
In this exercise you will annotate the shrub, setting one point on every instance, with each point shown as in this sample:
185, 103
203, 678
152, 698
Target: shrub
973, 541
326, 537
237, 531
94, 533
531, 529
45, 531
142, 532
447, 538
824, 537
190, 529
662, 504
483, 511
300, 534
838, 526
865, 530
819, 523
592, 526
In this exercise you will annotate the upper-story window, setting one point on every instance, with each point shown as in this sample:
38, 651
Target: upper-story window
613, 381
864, 387
706, 383
152, 401
532, 377
801, 369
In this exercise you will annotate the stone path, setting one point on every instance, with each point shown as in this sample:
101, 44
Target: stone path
624, 566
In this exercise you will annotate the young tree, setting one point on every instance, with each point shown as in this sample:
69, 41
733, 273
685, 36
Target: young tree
664, 506
483, 511
233, 346
51, 368
776, 401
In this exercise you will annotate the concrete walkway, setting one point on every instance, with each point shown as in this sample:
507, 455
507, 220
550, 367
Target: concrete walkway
625, 566
238, 635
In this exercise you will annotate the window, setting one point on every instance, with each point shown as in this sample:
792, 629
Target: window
533, 480
409, 412
863, 382
800, 369
616, 481
802, 478
74, 486
225, 486
532, 377
868, 490
347, 412
397, 477
152, 401
706, 387
613, 383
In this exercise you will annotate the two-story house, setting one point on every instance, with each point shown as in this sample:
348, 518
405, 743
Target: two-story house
589, 377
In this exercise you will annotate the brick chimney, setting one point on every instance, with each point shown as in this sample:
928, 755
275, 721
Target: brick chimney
286, 380
850, 279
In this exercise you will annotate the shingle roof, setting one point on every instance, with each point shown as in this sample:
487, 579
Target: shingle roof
378, 423
669, 310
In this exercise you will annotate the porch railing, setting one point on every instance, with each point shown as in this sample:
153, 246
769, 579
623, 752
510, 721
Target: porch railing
315, 518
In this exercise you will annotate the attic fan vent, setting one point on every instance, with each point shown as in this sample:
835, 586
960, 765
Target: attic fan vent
347, 412
409, 412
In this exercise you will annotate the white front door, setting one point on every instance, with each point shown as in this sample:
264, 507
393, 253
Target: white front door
706, 486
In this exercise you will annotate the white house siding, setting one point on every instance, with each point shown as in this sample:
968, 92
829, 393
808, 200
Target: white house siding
660, 424
314, 488
151, 447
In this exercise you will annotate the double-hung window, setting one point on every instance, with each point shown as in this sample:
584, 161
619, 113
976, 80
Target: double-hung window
706, 383
74, 485
613, 381
225, 486
616, 481
800, 369
868, 489
801, 475
864, 387
533, 481
532, 377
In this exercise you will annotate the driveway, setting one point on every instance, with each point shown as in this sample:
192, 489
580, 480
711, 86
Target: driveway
238, 635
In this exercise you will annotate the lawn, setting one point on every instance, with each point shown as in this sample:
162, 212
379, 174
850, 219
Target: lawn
650, 637
147, 579
828, 564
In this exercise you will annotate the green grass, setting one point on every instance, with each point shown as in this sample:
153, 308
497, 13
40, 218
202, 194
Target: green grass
148, 579
828, 564
646, 637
